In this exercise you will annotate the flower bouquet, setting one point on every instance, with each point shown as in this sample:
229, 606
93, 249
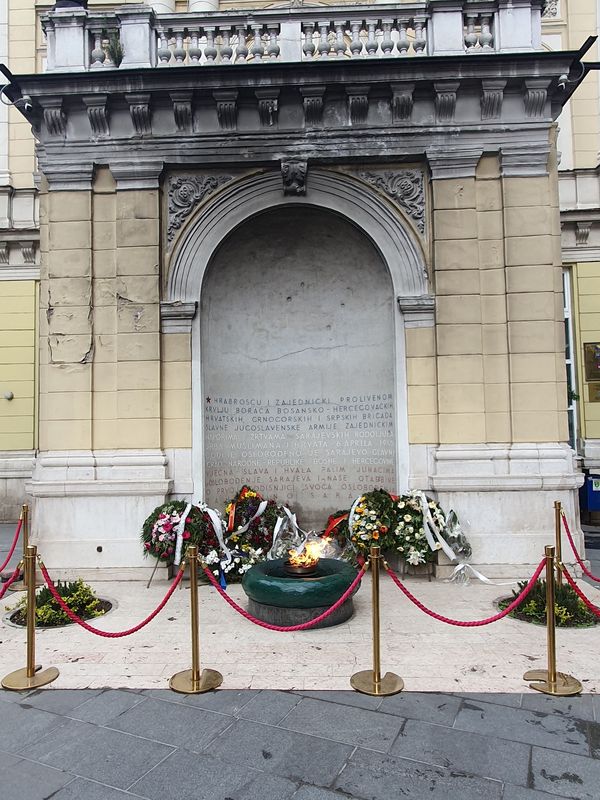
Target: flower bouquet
159, 531
370, 521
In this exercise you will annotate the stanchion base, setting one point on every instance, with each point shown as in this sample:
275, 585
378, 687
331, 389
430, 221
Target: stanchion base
18, 681
364, 683
182, 681
565, 686
20, 586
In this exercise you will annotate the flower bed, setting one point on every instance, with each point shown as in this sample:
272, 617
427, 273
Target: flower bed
79, 596
569, 610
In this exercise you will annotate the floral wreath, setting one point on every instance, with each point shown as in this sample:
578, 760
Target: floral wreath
159, 531
246, 528
371, 521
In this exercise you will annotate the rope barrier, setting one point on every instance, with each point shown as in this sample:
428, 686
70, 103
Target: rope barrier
594, 609
107, 634
476, 623
11, 580
13, 545
574, 549
290, 628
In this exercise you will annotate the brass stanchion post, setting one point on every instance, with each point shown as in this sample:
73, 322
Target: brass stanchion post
21, 586
32, 676
557, 539
369, 681
550, 681
194, 681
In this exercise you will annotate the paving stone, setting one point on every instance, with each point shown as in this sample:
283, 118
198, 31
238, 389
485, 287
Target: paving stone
282, 752
594, 736
22, 780
80, 789
357, 726
24, 726
172, 723
187, 776
565, 775
486, 756
225, 701
59, 701
522, 725
315, 793
374, 776
13, 697
578, 707
103, 755
596, 706
106, 706
345, 698
500, 698
269, 706
518, 793
428, 707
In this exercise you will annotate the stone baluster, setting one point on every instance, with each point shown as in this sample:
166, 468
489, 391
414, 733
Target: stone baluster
98, 56
210, 51
273, 46
403, 40
387, 43
308, 46
257, 49
420, 40
471, 37
226, 48
324, 45
486, 37
179, 50
108, 62
356, 44
163, 52
241, 50
340, 44
194, 50
372, 39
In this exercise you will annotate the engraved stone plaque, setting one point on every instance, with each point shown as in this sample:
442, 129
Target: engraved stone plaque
298, 364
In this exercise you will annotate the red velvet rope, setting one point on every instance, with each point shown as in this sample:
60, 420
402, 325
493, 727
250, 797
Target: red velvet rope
13, 545
10, 581
594, 609
476, 623
107, 634
574, 549
304, 625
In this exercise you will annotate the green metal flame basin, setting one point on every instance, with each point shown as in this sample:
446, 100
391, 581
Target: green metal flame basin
267, 583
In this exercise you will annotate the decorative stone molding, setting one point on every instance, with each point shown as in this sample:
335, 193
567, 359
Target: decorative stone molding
492, 95
535, 96
294, 174
582, 233
526, 160
418, 312
358, 103
402, 101
182, 110
551, 8
445, 100
406, 188
28, 252
185, 193
591, 453
97, 113
226, 109
177, 317
55, 118
312, 103
268, 106
139, 110
455, 163
3, 252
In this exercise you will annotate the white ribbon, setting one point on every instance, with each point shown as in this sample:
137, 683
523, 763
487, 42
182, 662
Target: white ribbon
429, 524
351, 514
291, 518
218, 529
259, 512
179, 531
464, 566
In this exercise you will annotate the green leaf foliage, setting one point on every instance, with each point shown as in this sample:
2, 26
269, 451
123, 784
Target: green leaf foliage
570, 611
78, 595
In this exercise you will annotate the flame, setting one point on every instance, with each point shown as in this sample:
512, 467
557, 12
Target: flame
307, 557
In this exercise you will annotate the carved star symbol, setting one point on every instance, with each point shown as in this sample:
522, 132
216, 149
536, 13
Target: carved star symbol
208, 399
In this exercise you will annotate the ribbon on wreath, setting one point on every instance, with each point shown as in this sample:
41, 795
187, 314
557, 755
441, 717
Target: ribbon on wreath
218, 529
289, 517
334, 523
179, 531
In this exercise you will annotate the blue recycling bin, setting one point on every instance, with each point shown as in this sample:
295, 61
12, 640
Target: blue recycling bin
589, 494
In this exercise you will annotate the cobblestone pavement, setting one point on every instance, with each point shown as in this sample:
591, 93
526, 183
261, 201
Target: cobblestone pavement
271, 745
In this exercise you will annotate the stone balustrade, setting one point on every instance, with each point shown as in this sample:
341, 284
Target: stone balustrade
80, 39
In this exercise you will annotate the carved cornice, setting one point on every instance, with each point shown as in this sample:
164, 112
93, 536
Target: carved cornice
402, 101
139, 110
418, 312
445, 100
226, 109
447, 162
312, 102
268, 106
3, 252
582, 233
185, 193
177, 317
525, 160
97, 114
55, 118
28, 252
358, 103
492, 95
293, 174
406, 188
536, 94
182, 110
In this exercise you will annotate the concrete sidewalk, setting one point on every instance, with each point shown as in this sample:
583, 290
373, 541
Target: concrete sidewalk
268, 745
